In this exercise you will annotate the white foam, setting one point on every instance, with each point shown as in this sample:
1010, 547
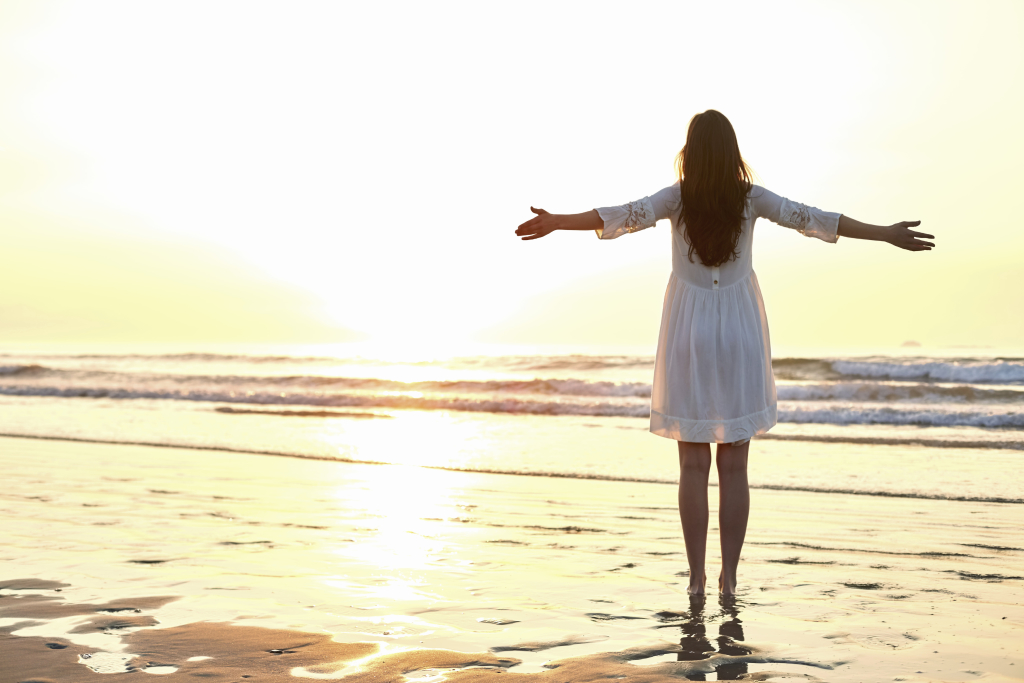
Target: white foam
912, 415
972, 372
898, 392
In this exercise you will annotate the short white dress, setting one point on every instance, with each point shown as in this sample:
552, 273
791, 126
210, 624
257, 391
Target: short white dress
713, 379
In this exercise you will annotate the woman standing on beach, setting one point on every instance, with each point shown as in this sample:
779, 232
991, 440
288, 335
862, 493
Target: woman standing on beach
713, 379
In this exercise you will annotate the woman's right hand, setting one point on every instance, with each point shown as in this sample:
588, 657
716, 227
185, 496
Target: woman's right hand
900, 235
539, 226
545, 223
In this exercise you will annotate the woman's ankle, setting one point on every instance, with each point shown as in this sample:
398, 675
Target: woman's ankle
696, 586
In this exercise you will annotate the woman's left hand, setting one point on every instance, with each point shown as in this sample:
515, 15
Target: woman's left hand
900, 235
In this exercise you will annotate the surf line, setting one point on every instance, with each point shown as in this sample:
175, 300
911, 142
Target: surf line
884, 441
481, 470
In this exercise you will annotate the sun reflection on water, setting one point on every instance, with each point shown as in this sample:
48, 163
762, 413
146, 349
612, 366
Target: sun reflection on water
425, 438
403, 506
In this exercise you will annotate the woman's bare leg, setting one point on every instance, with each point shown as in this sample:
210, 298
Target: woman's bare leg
733, 509
694, 466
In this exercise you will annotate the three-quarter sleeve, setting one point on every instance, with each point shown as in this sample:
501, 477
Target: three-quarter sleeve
638, 215
807, 220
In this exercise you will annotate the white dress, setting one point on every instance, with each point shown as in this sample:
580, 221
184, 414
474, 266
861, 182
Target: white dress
713, 379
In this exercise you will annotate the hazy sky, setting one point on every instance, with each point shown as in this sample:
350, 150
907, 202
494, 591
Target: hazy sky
314, 171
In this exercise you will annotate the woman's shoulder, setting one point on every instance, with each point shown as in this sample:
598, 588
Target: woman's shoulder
671, 195
762, 198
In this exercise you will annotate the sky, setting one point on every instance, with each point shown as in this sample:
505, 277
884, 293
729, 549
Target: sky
333, 171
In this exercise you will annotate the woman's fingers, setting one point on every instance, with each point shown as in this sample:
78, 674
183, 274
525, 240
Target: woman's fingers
531, 225
911, 240
525, 227
536, 227
536, 234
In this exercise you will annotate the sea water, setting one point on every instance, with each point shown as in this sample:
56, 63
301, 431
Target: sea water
577, 412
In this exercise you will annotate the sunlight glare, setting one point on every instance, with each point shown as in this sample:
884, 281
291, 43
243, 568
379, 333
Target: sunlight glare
404, 505
352, 152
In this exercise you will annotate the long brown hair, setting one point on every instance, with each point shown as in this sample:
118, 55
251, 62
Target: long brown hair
714, 181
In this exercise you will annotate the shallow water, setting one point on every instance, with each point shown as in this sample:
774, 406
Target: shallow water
587, 576
883, 545
946, 425
563, 446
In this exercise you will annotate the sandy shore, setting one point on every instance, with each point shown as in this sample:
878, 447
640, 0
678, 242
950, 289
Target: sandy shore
200, 565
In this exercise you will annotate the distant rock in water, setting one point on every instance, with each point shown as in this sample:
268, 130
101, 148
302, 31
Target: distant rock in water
911, 343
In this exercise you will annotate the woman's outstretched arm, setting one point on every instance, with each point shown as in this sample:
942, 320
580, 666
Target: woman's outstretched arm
545, 223
898, 235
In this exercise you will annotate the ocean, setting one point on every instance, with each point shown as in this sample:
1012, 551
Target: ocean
559, 412
526, 521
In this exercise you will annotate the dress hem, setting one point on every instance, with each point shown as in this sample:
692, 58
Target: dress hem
714, 431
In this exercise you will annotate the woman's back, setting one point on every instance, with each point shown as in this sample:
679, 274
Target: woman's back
713, 378
761, 203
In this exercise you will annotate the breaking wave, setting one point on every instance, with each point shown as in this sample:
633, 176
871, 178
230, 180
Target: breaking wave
969, 370
790, 411
21, 370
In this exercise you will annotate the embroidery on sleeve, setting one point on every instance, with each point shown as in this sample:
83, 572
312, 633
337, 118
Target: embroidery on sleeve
795, 215
640, 215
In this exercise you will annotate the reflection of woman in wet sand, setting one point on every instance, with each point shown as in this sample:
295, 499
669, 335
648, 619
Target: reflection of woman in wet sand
695, 645
713, 379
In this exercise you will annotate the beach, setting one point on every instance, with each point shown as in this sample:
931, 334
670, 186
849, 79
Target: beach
234, 566
291, 390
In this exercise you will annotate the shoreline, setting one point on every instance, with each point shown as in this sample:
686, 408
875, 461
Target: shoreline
260, 566
551, 475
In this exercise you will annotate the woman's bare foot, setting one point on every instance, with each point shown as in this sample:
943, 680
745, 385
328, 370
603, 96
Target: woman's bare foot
726, 586
695, 589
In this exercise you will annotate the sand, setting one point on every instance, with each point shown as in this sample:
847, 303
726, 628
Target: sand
204, 565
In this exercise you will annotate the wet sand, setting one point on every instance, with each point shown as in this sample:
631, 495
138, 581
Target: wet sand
200, 565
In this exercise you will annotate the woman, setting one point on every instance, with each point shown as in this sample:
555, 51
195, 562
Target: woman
713, 379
